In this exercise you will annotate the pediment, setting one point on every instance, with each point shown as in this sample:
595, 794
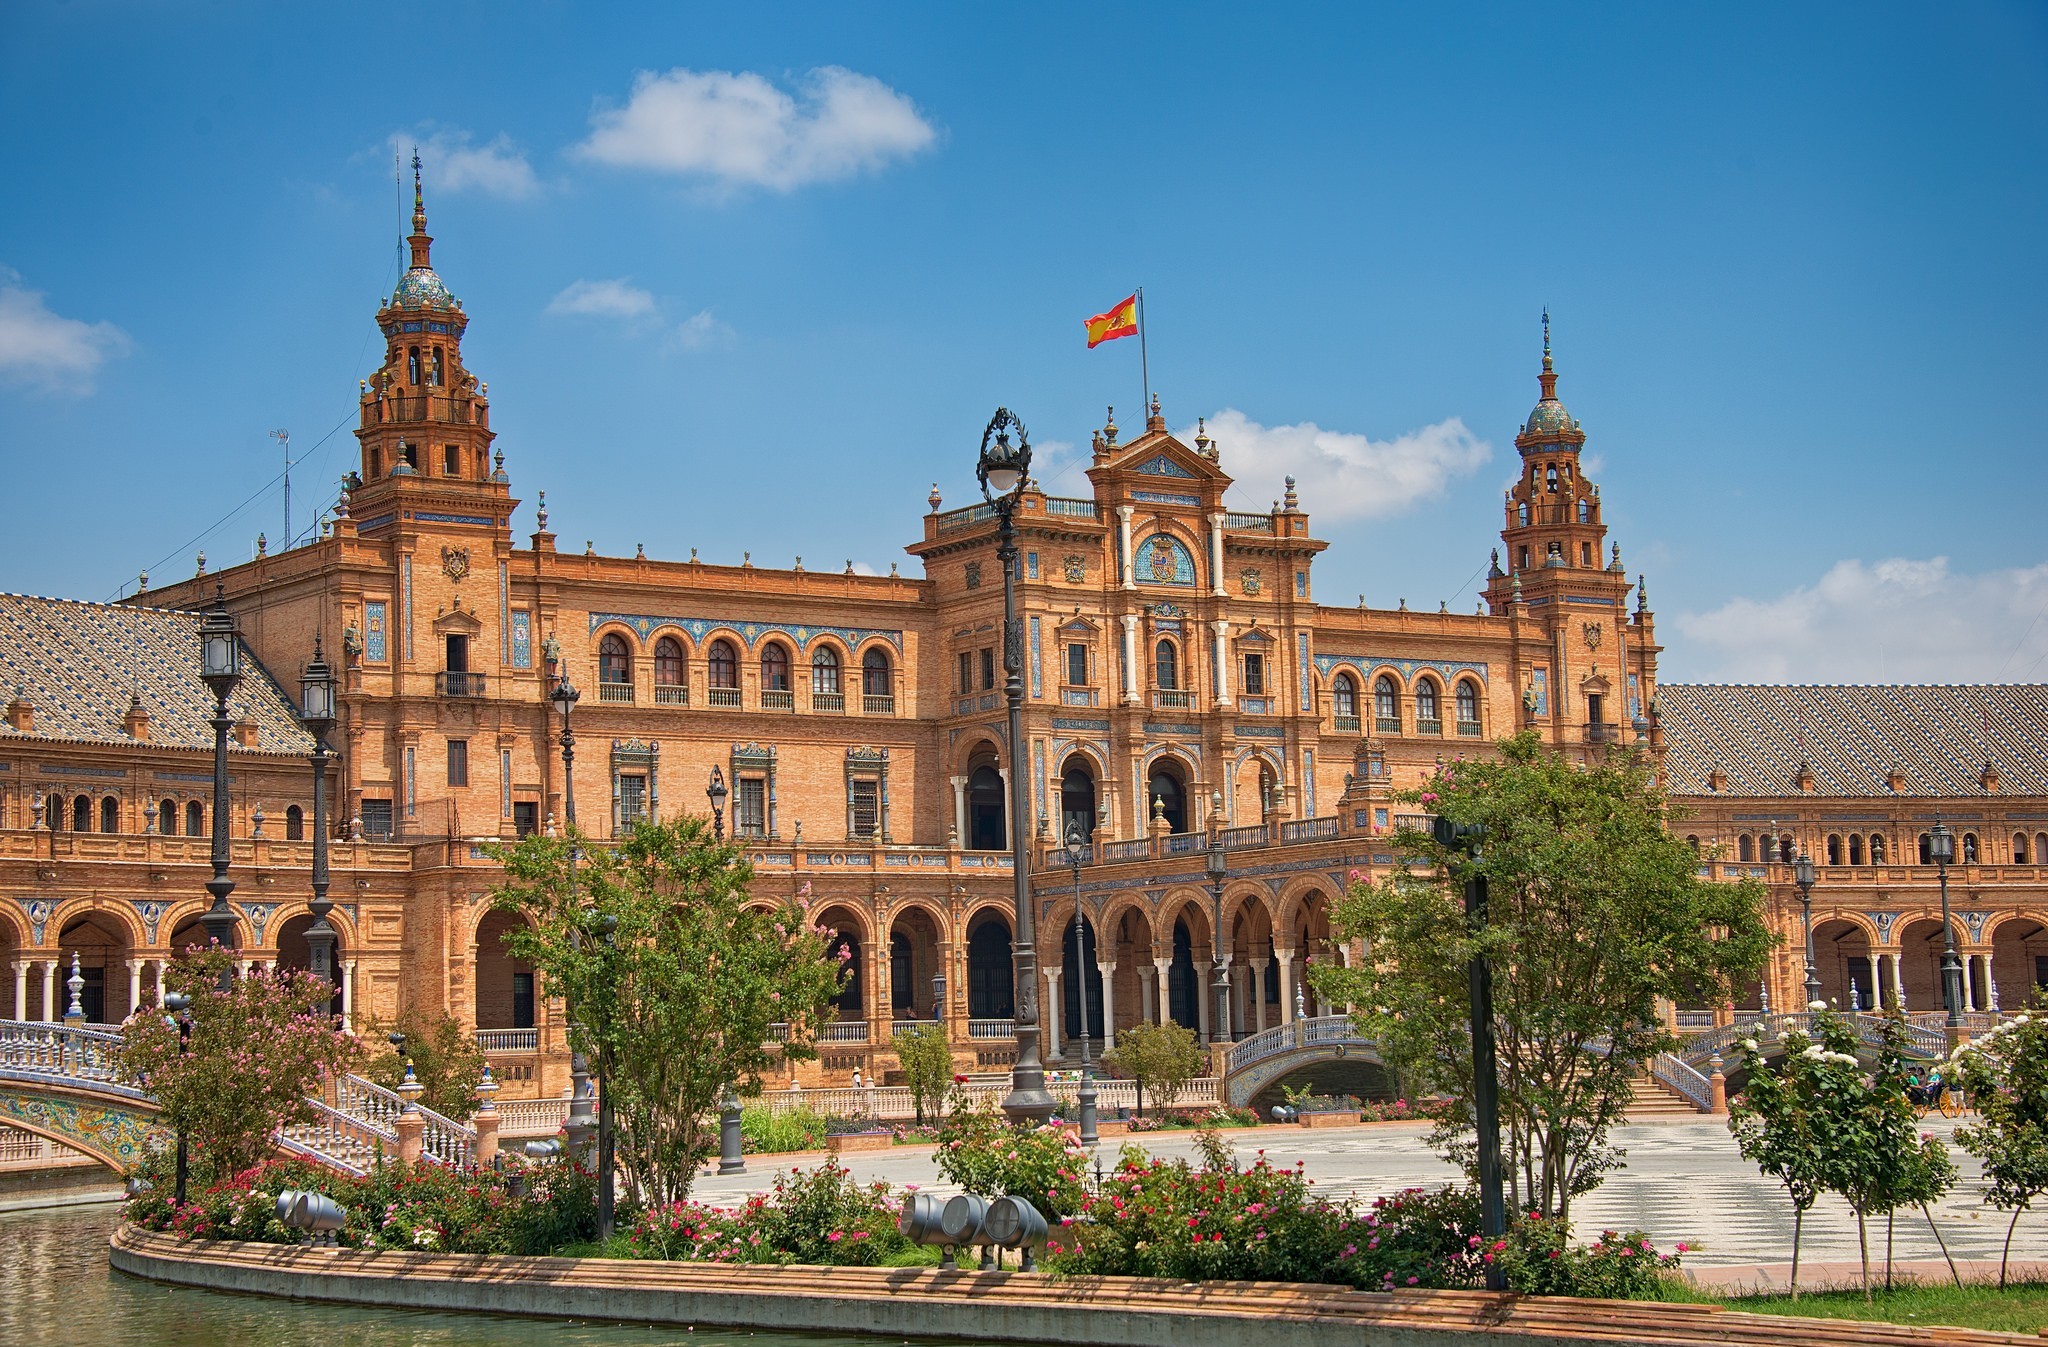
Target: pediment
1164, 458
457, 620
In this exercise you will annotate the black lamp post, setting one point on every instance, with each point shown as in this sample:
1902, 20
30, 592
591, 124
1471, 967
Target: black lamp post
606, 929
1084, 1097
220, 667
1004, 469
1468, 838
1941, 844
1216, 870
180, 1007
1803, 876
316, 687
580, 1124
715, 792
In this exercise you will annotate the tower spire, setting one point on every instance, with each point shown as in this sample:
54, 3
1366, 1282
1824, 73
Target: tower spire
421, 241
1548, 379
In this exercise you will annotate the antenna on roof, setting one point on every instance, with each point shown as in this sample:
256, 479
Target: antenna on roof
284, 440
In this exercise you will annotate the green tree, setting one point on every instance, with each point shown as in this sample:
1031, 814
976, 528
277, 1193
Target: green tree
256, 1050
1159, 1057
927, 1060
2006, 1072
673, 982
1595, 912
445, 1061
1776, 1123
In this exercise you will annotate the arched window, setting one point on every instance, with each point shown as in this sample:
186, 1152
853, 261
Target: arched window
874, 676
195, 819
825, 672
110, 815
81, 814
412, 364
294, 824
1692, 840
1468, 704
2041, 848
1165, 796
1428, 709
1386, 704
614, 660
1969, 848
774, 667
724, 666
1344, 701
2019, 848
167, 818
1550, 479
985, 810
671, 674
1077, 801
1522, 518
1855, 848
1926, 849
1877, 848
1834, 849
1585, 512
1745, 848
1166, 667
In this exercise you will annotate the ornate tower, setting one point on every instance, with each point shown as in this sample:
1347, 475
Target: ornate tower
425, 420
1590, 678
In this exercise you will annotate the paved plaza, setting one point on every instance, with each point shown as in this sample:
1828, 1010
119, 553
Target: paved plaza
1682, 1181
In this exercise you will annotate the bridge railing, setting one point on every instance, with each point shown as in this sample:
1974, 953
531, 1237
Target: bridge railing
1928, 1039
1307, 1031
33, 1050
1676, 1072
331, 1136
444, 1141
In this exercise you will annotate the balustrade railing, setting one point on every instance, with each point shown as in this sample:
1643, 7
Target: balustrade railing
722, 696
778, 699
831, 703
443, 1141
878, 706
1250, 835
614, 692
904, 1026
531, 1117
1248, 523
845, 1031
459, 683
1308, 830
989, 1029
335, 1138
1680, 1075
508, 1040
30, 1049
671, 694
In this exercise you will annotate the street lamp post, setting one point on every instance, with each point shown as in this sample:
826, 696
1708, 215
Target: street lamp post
180, 1007
731, 1144
1468, 838
580, 1123
220, 667
607, 927
1085, 1097
1941, 844
1004, 469
316, 687
1216, 870
715, 792
1803, 876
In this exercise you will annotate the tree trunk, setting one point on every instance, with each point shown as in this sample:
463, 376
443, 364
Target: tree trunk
1863, 1244
1888, 1253
1798, 1228
1929, 1213
2005, 1257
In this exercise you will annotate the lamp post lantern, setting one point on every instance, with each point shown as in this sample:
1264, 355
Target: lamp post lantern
1004, 470
1468, 838
1941, 845
1084, 1097
580, 1123
220, 668
317, 714
1803, 876
715, 792
180, 1017
1221, 1024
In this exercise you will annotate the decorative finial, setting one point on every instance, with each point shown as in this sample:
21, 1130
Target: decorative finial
1546, 338
1109, 429
1517, 589
262, 544
1495, 568
799, 564
540, 517
202, 563
1155, 405
892, 571
1293, 502
589, 547
849, 566
1616, 565
693, 556
1202, 436
934, 498
142, 581
639, 551
1642, 594
75, 1012
419, 200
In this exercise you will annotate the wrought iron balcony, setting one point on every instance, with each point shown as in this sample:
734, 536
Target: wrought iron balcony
1600, 732
458, 683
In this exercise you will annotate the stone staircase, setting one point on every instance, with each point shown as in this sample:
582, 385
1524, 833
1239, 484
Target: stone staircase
1657, 1102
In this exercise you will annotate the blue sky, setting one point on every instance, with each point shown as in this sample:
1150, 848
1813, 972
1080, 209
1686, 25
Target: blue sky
752, 283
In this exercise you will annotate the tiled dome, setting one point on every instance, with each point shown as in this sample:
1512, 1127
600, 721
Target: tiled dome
1549, 418
422, 288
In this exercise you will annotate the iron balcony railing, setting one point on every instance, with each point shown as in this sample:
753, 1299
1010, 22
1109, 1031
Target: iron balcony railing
457, 683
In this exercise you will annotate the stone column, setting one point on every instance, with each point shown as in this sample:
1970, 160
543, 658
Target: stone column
485, 1121
1123, 544
1899, 978
348, 993
1162, 981
1970, 982
1239, 978
1130, 621
1008, 822
1108, 972
1259, 967
412, 1134
1216, 554
1222, 628
1203, 995
134, 985
1055, 1041
1286, 958
960, 809
1144, 993
52, 1012
20, 988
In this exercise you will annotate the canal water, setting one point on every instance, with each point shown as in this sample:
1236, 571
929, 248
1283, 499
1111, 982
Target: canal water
57, 1290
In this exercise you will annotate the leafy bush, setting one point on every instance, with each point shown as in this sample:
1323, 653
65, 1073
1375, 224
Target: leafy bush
446, 1063
820, 1216
981, 1152
1401, 1110
1541, 1260
767, 1133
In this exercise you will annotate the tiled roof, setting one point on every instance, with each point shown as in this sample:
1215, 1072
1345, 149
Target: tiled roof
1851, 737
79, 664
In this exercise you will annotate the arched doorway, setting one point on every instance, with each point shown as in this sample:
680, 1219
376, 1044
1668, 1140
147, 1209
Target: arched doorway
294, 952
1166, 794
1920, 946
1184, 979
990, 970
913, 961
844, 946
101, 944
1251, 968
1082, 969
985, 808
1077, 800
1841, 952
11, 958
2019, 961
506, 995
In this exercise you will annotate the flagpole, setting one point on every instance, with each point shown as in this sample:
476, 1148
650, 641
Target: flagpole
1144, 361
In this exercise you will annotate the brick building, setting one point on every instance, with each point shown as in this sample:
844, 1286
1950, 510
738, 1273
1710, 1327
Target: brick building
1181, 680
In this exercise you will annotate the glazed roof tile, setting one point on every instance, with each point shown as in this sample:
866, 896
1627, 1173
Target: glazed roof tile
79, 664
1852, 736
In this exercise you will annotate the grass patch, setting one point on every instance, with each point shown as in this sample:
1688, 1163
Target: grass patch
2020, 1308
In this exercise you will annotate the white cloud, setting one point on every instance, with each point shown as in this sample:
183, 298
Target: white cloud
47, 350
701, 331
738, 130
455, 163
1341, 475
604, 299
1897, 621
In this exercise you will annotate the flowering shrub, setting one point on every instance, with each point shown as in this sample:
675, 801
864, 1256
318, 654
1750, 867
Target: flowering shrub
1541, 1260
820, 1216
1401, 1110
981, 1152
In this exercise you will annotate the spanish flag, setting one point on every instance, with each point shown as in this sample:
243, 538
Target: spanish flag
1120, 321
